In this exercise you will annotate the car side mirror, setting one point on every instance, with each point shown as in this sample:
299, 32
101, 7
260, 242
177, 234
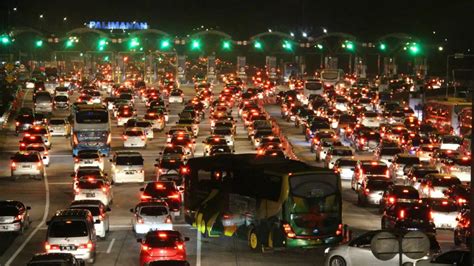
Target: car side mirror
142, 189
186, 238
28, 207
132, 211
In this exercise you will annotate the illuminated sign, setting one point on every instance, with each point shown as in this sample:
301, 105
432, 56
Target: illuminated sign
111, 25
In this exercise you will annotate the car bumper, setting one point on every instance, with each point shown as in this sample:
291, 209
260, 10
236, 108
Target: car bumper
29, 172
12, 227
104, 199
124, 178
312, 242
79, 254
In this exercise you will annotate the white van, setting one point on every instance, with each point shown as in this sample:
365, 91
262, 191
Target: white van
72, 231
127, 167
43, 102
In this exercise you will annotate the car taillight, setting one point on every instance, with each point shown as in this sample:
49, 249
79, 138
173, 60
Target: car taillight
462, 201
168, 219
145, 247
367, 191
13, 165
339, 229
124, 137
391, 199
180, 246
174, 196
288, 230
77, 190
145, 197
387, 173
143, 137
39, 164
401, 215
17, 123
105, 189
75, 140
89, 245
140, 220
18, 218
48, 247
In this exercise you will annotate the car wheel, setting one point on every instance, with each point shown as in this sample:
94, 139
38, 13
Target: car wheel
337, 261
254, 241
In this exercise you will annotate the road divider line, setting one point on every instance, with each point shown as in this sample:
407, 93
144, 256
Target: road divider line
60, 183
110, 246
43, 221
198, 248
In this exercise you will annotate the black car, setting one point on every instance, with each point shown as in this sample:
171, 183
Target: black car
462, 231
163, 191
408, 216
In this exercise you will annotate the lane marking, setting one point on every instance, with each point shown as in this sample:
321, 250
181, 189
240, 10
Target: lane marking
198, 248
43, 221
110, 246
60, 183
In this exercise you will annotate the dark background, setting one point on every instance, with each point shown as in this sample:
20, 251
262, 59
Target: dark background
367, 20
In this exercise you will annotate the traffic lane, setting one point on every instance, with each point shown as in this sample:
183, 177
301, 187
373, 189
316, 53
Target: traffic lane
359, 219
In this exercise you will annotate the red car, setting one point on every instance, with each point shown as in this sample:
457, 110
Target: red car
162, 245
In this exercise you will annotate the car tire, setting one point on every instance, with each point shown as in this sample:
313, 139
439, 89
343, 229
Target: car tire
337, 261
254, 241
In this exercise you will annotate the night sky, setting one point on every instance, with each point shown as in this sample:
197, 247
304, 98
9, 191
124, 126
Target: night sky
367, 20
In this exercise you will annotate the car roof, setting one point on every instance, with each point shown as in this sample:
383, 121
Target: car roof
92, 203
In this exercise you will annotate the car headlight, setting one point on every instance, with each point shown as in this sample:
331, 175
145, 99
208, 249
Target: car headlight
326, 251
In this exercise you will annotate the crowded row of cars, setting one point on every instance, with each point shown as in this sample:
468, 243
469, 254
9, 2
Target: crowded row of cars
417, 177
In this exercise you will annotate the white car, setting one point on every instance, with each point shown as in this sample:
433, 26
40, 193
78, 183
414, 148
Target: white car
134, 138
444, 213
358, 252
370, 119
99, 213
425, 152
146, 126
157, 121
127, 167
27, 164
43, 151
459, 166
148, 216
93, 189
345, 167
176, 97
336, 152
59, 127
87, 158
450, 142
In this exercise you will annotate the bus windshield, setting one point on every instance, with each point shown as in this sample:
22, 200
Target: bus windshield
92, 117
316, 201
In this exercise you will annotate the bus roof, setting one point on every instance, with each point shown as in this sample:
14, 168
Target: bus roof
246, 161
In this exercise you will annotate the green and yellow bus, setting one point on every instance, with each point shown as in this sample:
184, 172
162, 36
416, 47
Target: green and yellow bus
270, 202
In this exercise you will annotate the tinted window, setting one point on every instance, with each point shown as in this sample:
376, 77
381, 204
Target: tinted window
378, 185
443, 206
408, 160
90, 185
153, 211
67, 228
95, 211
91, 117
351, 163
223, 131
374, 169
133, 133
160, 242
341, 152
26, 158
8, 211
129, 160
56, 122
445, 182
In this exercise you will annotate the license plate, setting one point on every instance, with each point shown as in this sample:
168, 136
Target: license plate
129, 172
5, 227
26, 166
90, 195
68, 247
88, 162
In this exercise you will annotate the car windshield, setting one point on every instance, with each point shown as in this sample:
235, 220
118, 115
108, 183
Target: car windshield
26, 158
158, 190
417, 213
445, 182
378, 185
378, 169
443, 205
390, 151
88, 155
61, 98
153, 211
90, 184
67, 228
346, 163
92, 117
129, 160
408, 160
6, 210
56, 122
134, 133
342, 152
36, 148
95, 211
464, 161
223, 131
161, 242
452, 139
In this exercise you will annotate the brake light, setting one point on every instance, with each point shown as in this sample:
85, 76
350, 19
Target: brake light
462, 201
109, 138
89, 245
143, 137
174, 196
288, 230
387, 173
17, 123
145, 247
401, 214
125, 137
391, 199
140, 220
180, 246
13, 165
39, 164
145, 197
184, 170
75, 140
168, 219
105, 189
77, 190
339, 230
367, 191
48, 247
